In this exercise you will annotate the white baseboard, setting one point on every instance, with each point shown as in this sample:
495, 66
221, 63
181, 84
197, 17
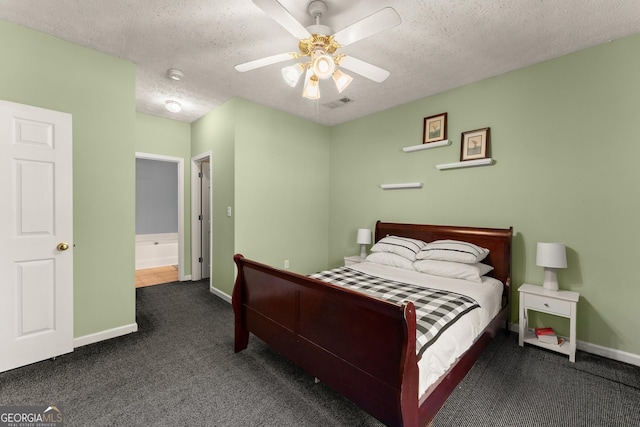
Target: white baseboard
105, 335
186, 278
609, 353
220, 294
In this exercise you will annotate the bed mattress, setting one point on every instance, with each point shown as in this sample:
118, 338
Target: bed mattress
458, 337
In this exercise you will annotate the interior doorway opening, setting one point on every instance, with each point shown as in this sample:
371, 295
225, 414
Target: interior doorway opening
201, 216
160, 250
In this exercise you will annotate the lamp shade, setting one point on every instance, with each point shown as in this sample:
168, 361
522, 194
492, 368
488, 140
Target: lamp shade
363, 239
292, 73
552, 255
311, 88
364, 236
323, 66
341, 80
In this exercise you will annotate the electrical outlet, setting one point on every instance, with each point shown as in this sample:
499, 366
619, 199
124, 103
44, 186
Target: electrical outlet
286, 263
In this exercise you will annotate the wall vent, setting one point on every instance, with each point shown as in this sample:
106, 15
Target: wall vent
338, 103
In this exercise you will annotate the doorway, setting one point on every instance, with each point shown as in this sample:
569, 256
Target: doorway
201, 216
155, 248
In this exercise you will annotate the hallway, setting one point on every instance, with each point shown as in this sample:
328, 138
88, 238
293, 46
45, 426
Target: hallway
156, 276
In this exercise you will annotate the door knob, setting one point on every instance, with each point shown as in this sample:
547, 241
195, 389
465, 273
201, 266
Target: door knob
62, 246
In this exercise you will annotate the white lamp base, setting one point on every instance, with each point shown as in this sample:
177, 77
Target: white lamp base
550, 279
363, 251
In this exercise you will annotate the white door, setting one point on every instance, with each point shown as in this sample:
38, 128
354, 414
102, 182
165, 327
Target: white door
36, 235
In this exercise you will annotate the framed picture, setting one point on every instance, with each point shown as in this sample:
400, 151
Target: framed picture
435, 128
475, 145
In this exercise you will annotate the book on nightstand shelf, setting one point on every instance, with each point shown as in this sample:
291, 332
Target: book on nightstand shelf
548, 335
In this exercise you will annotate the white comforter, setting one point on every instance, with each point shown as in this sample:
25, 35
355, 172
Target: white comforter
461, 335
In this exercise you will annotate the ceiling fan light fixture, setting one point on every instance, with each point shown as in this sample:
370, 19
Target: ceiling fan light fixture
320, 44
323, 66
173, 106
312, 88
341, 80
292, 73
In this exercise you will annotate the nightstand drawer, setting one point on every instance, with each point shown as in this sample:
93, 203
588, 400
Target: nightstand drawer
549, 305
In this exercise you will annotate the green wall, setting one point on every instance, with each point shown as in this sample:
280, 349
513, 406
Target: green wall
272, 169
282, 189
165, 137
564, 141
214, 134
99, 91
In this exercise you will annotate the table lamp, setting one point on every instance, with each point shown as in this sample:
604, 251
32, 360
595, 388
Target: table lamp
363, 239
551, 256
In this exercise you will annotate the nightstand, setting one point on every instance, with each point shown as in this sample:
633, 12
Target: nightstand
557, 303
353, 259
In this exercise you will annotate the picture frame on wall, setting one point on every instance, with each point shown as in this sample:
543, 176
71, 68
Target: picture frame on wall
435, 128
475, 144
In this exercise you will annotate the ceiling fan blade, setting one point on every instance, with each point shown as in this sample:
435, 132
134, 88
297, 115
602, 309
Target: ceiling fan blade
263, 62
282, 16
381, 20
365, 69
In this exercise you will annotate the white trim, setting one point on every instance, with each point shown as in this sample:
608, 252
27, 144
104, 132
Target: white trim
401, 186
196, 274
105, 335
220, 294
180, 164
609, 353
465, 164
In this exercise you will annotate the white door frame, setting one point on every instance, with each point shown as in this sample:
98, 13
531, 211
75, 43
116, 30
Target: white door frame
196, 238
180, 163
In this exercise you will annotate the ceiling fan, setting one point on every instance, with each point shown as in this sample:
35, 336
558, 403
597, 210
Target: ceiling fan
319, 44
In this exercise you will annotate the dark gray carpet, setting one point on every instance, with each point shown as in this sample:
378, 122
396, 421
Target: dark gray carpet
180, 369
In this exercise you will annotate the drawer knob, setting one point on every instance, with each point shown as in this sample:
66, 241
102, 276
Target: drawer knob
546, 304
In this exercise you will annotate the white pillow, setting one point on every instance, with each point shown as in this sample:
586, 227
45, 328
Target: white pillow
393, 260
454, 251
454, 270
402, 246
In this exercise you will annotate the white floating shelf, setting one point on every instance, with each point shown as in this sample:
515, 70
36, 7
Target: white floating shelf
401, 186
467, 164
426, 146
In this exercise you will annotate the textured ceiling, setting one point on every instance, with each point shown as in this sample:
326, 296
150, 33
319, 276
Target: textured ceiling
440, 45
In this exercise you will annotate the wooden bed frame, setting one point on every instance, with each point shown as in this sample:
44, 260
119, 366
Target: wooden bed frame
362, 347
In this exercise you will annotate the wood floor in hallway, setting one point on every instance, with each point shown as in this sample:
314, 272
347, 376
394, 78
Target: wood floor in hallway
156, 276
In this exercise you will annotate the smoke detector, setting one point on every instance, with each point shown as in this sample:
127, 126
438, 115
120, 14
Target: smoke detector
175, 74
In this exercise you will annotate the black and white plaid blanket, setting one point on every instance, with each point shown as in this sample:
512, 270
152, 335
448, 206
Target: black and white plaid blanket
436, 309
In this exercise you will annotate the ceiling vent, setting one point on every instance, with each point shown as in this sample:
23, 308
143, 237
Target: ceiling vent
339, 103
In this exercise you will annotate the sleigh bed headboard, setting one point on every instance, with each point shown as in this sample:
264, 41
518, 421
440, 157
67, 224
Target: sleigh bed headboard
497, 240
